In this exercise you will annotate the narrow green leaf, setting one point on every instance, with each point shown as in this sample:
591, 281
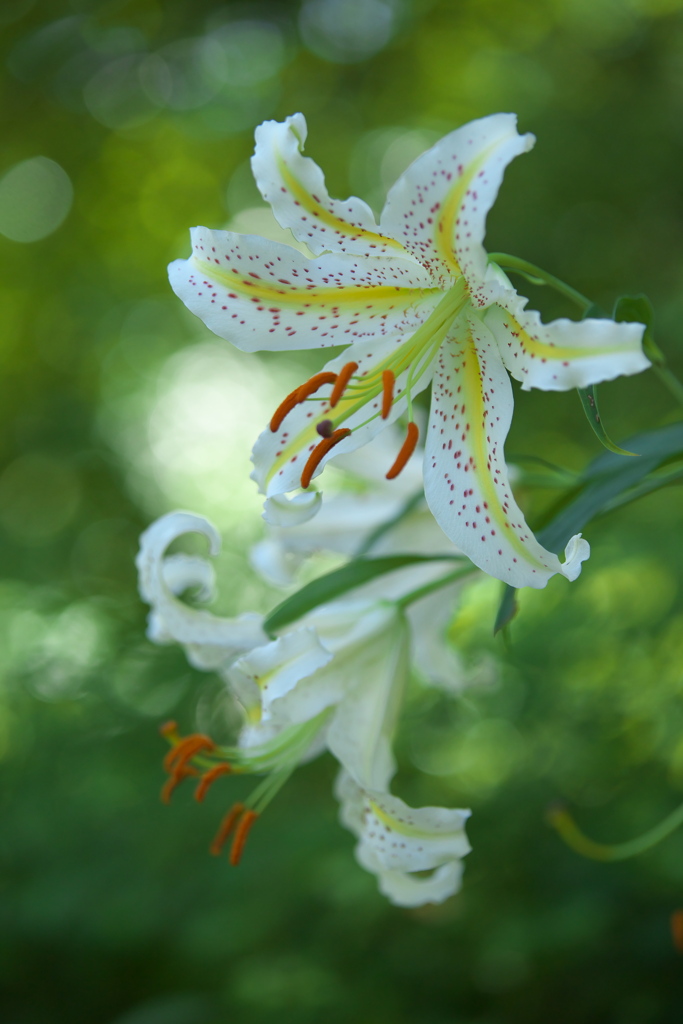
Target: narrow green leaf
607, 478
340, 581
589, 401
607, 483
507, 609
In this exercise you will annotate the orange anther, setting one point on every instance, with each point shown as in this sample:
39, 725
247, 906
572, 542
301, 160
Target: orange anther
406, 451
345, 375
317, 381
168, 728
283, 409
227, 825
388, 381
299, 395
209, 777
319, 453
677, 929
241, 833
169, 786
186, 749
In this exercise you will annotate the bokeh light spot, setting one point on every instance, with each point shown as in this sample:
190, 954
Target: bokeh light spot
345, 31
35, 198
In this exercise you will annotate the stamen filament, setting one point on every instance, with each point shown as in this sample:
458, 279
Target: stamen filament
388, 380
319, 453
209, 777
406, 451
226, 826
241, 834
345, 375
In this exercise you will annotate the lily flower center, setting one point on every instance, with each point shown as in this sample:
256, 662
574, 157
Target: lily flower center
398, 376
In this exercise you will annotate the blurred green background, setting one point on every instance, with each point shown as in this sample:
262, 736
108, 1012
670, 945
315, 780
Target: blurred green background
136, 119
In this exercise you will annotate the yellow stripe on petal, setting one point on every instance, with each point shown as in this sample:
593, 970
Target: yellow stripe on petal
344, 228
303, 294
478, 417
564, 353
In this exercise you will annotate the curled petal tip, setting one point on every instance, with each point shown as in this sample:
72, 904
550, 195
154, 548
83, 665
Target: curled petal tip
576, 552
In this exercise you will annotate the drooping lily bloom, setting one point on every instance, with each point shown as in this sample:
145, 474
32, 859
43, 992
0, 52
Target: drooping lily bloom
416, 853
335, 681
416, 301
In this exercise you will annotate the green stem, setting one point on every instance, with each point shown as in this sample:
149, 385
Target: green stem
670, 381
562, 821
429, 588
541, 277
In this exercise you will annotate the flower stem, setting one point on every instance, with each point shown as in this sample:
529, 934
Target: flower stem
538, 276
560, 818
434, 585
670, 381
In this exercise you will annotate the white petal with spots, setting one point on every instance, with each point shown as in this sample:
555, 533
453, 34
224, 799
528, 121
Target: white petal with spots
437, 209
295, 188
396, 840
262, 295
565, 353
466, 480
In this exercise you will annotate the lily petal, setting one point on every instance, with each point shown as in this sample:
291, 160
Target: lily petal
565, 353
295, 188
363, 725
405, 890
270, 672
264, 296
279, 457
284, 511
437, 209
466, 480
211, 640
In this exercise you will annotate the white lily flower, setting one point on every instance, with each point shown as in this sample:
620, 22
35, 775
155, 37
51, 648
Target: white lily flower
395, 841
417, 302
211, 642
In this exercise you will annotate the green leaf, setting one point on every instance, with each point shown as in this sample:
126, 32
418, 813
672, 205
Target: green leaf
340, 581
638, 309
608, 482
589, 401
607, 478
507, 609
